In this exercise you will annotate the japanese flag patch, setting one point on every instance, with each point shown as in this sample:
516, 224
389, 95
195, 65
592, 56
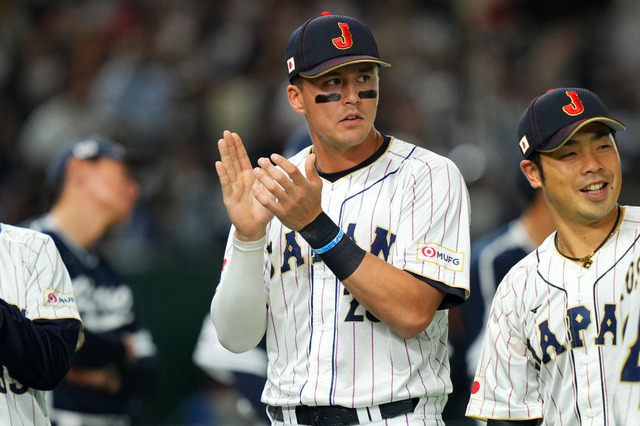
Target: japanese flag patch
477, 389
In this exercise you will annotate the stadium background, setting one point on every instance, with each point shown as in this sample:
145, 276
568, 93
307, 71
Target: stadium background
168, 76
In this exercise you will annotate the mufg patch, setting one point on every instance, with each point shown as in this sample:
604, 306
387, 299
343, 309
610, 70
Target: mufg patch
441, 256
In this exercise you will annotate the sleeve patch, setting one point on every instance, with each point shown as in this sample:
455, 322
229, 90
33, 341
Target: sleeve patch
477, 390
57, 299
441, 256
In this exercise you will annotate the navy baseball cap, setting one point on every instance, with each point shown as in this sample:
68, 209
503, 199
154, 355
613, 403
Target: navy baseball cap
552, 119
327, 42
88, 148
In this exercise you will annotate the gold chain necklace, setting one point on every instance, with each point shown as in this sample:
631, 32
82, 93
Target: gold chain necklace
586, 260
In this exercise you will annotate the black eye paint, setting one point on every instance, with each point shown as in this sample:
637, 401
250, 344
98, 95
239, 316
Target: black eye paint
329, 97
368, 94
335, 97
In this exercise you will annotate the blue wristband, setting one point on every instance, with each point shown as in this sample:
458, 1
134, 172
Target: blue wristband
331, 244
341, 255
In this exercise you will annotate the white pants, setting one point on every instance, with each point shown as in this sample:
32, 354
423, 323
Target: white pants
70, 418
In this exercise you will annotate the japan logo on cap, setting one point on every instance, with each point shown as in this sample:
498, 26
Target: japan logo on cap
291, 64
524, 144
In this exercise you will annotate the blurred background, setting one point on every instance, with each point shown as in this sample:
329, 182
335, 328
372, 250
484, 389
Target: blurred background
168, 76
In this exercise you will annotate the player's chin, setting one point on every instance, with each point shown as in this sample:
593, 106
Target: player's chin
356, 133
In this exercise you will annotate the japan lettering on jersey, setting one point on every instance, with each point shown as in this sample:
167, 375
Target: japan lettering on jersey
553, 334
626, 405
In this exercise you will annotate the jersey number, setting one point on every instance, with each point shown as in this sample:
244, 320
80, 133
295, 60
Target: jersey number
352, 316
631, 367
15, 388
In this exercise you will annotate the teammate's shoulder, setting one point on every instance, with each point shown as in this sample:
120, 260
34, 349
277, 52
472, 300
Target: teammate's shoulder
299, 157
21, 234
423, 162
632, 214
419, 153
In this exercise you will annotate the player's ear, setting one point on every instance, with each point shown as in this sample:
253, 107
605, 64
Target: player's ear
531, 172
294, 94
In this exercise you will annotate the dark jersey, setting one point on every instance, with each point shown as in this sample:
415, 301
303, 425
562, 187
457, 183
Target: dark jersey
106, 305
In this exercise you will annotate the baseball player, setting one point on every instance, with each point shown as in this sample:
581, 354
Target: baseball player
549, 347
112, 376
348, 254
40, 328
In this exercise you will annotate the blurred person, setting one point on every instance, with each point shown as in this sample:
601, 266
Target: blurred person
111, 378
245, 372
551, 342
348, 254
40, 328
493, 254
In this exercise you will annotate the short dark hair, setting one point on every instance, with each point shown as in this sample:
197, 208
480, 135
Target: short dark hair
535, 159
297, 80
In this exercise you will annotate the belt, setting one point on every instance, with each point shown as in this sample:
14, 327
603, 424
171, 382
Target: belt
335, 415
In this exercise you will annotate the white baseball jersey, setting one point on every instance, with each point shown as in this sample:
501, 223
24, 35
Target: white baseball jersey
34, 280
626, 405
408, 206
553, 334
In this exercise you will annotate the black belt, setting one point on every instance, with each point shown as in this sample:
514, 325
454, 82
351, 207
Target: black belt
335, 415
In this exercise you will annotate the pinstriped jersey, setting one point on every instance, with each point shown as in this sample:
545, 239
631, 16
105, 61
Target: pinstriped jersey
626, 404
34, 280
408, 206
551, 343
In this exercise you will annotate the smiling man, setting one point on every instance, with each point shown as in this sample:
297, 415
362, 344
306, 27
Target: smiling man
346, 255
550, 352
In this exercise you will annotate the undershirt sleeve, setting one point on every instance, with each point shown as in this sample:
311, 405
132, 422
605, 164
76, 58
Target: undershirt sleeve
37, 353
239, 306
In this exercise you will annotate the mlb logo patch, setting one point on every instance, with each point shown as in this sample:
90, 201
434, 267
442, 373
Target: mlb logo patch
291, 64
524, 144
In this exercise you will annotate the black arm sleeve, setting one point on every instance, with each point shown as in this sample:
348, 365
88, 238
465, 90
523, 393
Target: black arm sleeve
532, 422
37, 353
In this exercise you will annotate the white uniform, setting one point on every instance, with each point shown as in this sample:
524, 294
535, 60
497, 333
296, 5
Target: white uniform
410, 207
33, 279
551, 341
626, 405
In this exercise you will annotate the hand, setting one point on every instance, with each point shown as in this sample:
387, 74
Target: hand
131, 358
105, 379
237, 180
291, 197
